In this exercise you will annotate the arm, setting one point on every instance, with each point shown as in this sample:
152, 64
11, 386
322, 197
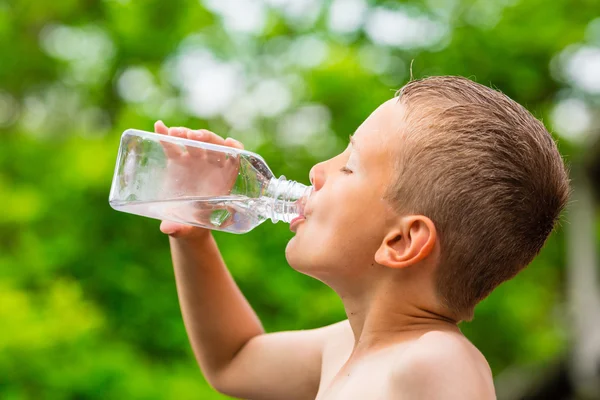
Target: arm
228, 340
235, 354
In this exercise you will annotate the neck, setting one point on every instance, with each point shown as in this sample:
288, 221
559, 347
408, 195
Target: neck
393, 311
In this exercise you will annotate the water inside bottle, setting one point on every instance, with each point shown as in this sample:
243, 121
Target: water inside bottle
235, 214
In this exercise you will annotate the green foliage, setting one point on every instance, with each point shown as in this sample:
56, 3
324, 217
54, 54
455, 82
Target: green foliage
88, 307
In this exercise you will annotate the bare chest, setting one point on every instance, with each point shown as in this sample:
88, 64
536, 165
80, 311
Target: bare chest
365, 379
357, 385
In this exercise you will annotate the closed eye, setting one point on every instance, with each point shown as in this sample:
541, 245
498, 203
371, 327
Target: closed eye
345, 170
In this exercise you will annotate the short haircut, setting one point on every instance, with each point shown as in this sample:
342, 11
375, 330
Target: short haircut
487, 173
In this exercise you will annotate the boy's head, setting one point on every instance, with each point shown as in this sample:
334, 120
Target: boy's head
451, 181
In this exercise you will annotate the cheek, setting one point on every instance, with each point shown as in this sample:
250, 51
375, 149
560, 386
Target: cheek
340, 219
341, 231
336, 239
352, 232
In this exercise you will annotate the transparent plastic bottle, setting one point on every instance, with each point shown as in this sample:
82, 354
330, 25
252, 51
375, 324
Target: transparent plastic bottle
202, 184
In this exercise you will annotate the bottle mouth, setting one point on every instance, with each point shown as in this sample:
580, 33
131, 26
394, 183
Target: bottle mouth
288, 199
302, 202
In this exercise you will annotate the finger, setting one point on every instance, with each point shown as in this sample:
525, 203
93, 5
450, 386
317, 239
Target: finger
175, 229
198, 136
178, 230
181, 133
171, 150
160, 127
178, 132
233, 158
231, 142
211, 137
169, 228
203, 135
216, 157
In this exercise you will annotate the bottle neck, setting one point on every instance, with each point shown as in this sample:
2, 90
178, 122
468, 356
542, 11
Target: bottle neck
287, 199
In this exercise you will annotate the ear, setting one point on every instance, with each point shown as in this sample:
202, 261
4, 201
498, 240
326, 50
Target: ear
411, 241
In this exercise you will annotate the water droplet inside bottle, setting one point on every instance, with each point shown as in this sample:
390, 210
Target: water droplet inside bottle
217, 217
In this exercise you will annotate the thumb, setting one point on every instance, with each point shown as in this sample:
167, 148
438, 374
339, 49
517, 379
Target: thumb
169, 228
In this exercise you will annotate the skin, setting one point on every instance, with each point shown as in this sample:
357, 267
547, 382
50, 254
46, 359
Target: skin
398, 342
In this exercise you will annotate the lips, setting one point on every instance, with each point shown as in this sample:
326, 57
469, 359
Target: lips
305, 212
295, 222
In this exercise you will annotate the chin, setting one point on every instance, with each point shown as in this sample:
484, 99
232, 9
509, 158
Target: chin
299, 255
293, 254
306, 257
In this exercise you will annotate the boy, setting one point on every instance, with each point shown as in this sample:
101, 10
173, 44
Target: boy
462, 187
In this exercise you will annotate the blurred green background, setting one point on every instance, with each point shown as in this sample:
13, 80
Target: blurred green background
88, 307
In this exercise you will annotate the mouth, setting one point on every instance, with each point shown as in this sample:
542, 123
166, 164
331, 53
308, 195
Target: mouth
295, 222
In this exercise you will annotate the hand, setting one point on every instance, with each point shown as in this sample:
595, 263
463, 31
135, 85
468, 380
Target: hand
197, 172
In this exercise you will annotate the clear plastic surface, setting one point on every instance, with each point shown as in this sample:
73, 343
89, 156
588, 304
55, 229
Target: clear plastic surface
201, 184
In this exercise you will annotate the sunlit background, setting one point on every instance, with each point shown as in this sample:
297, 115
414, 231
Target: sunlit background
88, 307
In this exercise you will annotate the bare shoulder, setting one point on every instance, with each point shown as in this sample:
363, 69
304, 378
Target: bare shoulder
339, 332
338, 338
443, 365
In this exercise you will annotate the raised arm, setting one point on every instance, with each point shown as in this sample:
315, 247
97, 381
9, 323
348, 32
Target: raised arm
234, 353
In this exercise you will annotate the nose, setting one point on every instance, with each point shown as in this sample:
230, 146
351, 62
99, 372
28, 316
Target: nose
317, 176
